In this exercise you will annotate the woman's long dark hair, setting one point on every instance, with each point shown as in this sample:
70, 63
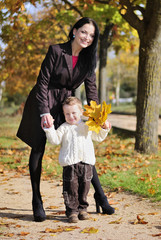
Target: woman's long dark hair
88, 56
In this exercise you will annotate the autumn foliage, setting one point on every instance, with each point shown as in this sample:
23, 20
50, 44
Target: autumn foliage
97, 115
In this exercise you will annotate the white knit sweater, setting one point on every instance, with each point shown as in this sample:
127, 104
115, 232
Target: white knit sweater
76, 142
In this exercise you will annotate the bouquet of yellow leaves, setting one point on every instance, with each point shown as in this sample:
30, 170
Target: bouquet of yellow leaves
96, 114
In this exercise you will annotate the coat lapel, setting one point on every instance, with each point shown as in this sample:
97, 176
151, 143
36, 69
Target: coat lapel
74, 74
67, 52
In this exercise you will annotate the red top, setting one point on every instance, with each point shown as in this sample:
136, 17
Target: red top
74, 59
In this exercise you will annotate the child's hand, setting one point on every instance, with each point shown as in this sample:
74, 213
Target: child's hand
106, 125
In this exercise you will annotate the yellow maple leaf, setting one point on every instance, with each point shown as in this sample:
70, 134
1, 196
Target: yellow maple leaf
90, 230
106, 109
92, 125
92, 109
97, 115
96, 112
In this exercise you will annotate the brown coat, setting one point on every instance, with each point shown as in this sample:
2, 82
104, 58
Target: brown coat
56, 81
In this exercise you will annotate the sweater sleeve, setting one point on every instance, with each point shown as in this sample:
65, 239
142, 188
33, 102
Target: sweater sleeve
54, 136
99, 137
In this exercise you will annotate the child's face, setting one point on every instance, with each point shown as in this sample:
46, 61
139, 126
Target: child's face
72, 113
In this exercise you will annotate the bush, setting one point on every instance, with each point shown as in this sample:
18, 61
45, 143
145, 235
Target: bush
12, 100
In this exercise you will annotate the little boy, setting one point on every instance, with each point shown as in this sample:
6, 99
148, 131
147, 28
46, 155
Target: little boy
76, 156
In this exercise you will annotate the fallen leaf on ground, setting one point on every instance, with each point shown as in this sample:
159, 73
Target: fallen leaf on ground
111, 202
116, 221
60, 229
111, 195
23, 233
153, 213
90, 230
93, 219
59, 213
156, 235
139, 220
18, 226
9, 234
52, 207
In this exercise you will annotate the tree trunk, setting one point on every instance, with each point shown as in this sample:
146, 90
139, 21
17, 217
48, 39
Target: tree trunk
118, 77
147, 22
149, 80
105, 42
117, 92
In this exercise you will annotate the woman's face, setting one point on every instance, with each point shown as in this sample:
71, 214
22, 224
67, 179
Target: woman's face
84, 35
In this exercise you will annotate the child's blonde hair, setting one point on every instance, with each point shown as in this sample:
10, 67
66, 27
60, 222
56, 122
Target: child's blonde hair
73, 101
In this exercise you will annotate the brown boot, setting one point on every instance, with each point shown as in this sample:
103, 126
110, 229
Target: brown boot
83, 215
73, 218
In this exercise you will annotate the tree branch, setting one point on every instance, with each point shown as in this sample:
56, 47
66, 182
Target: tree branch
127, 11
53, 17
149, 10
103, 1
139, 8
73, 7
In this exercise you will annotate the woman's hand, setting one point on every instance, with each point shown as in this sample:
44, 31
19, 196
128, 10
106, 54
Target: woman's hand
106, 125
47, 121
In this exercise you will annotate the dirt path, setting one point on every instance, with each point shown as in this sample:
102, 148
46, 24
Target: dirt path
16, 220
127, 122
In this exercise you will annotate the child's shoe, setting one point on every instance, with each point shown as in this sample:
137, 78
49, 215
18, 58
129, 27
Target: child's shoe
83, 215
73, 218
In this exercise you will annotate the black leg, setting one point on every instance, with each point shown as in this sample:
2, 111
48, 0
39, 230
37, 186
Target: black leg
96, 184
35, 165
100, 198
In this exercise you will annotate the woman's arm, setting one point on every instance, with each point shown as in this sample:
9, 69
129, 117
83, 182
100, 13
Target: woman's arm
43, 81
91, 89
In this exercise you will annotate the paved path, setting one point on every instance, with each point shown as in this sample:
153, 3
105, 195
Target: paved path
127, 122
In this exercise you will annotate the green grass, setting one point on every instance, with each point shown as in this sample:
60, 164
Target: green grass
129, 108
118, 165
126, 108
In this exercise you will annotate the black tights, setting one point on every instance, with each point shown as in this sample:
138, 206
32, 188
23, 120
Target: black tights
97, 185
35, 166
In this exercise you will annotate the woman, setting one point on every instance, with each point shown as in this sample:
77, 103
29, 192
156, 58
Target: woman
65, 67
